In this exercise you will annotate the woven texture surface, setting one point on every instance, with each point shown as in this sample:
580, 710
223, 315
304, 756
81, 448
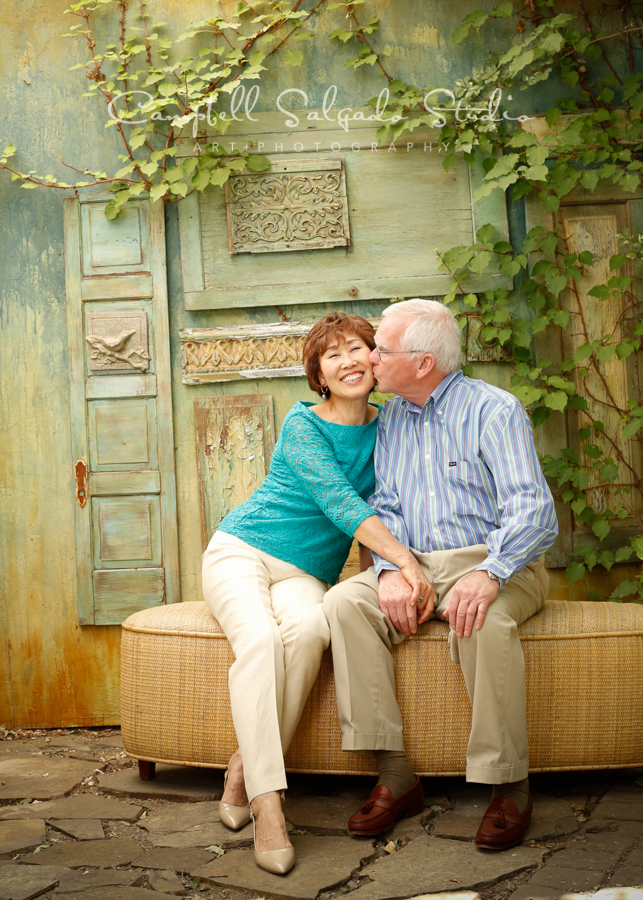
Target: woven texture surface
584, 686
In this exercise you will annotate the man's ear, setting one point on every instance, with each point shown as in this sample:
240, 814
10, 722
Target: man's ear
427, 365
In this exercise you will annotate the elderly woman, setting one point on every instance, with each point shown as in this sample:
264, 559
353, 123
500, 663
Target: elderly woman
269, 564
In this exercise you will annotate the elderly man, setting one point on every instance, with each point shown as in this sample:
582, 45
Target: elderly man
459, 483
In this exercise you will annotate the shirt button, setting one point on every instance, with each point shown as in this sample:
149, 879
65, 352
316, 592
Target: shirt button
432, 493
435, 531
426, 424
439, 412
428, 456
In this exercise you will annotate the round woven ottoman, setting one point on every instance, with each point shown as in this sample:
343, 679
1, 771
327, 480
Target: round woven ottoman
584, 666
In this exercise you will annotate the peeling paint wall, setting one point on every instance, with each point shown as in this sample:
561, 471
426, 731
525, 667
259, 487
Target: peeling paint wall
53, 671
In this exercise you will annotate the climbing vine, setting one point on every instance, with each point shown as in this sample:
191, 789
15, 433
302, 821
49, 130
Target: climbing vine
589, 137
593, 136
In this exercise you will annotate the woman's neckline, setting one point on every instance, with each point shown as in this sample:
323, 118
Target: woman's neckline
310, 408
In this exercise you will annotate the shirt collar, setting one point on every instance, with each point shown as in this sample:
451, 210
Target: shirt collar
438, 395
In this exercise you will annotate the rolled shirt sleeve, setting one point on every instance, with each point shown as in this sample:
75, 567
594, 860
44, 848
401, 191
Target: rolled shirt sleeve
528, 524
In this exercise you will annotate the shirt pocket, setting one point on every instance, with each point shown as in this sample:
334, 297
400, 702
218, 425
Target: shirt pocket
469, 486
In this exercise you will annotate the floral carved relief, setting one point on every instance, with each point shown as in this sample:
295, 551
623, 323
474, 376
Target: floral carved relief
288, 209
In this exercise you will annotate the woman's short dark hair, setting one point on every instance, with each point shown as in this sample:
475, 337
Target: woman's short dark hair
336, 324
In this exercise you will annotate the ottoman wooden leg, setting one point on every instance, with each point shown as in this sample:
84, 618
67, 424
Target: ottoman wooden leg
146, 770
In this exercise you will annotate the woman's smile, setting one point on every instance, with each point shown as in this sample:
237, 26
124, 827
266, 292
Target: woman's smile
345, 368
352, 377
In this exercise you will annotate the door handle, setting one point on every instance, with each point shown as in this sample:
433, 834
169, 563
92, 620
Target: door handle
80, 471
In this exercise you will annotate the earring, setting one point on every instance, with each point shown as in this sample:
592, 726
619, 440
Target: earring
325, 392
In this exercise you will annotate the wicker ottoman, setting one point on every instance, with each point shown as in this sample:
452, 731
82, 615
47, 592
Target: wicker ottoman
584, 685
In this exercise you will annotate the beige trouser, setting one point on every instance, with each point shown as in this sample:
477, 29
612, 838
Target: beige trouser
492, 663
272, 614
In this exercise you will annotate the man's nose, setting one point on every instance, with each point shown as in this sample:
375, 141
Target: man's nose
373, 357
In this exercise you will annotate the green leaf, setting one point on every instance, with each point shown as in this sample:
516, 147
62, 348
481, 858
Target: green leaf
605, 354
560, 317
601, 528
553, 115
625, 589
589, 180
527, 394
622, 554
219, 176
617, 261
342, 34
504, 165
460, 34
111, 210
632, 427
536, 173
609, 472
536, 155
158, 190
574, 572
294, 58
556, 400
200, 179
539, 415
257, 163
555, 281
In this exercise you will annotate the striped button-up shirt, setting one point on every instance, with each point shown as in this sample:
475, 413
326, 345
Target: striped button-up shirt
463, 470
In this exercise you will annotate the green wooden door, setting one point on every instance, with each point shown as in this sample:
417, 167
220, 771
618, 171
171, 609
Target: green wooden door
121, 409
590, 221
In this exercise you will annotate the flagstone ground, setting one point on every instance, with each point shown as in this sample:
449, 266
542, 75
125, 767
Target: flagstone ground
77, 823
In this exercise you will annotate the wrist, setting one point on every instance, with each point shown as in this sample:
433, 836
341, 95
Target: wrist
492, 578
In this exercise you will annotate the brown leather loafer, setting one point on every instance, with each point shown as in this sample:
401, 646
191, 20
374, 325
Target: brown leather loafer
502, 825
381, 810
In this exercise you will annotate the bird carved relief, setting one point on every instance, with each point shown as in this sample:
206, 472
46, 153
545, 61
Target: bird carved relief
114, 350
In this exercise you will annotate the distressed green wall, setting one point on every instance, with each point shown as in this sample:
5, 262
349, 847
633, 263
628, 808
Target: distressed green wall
52, 671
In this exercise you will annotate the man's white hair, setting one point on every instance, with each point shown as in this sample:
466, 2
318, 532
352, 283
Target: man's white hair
434, 329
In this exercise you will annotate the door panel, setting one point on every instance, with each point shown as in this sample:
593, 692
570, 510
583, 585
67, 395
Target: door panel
122, 433
591, 222
118, 592
126, 529
235, 438
126, 532
594, 228
109, 247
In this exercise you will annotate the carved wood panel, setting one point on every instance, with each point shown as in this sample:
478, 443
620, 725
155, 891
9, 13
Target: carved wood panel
117, 340
234, 442
299, 205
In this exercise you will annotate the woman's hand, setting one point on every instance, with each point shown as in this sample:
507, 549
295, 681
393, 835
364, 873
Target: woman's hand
422, 594
399, 593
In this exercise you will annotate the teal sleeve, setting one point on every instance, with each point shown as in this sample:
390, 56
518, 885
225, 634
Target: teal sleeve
310, 457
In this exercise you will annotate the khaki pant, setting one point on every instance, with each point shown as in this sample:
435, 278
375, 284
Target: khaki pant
272, 614
492, 663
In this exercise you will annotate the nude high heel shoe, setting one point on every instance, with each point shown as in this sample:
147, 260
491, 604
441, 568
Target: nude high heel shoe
279, 862
233, 817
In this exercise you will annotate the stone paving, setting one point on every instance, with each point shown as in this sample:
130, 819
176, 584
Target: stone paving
77, 823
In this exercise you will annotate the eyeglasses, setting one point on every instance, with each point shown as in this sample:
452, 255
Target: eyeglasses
381, 350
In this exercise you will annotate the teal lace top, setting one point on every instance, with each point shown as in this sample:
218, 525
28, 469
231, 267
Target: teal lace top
314, 496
